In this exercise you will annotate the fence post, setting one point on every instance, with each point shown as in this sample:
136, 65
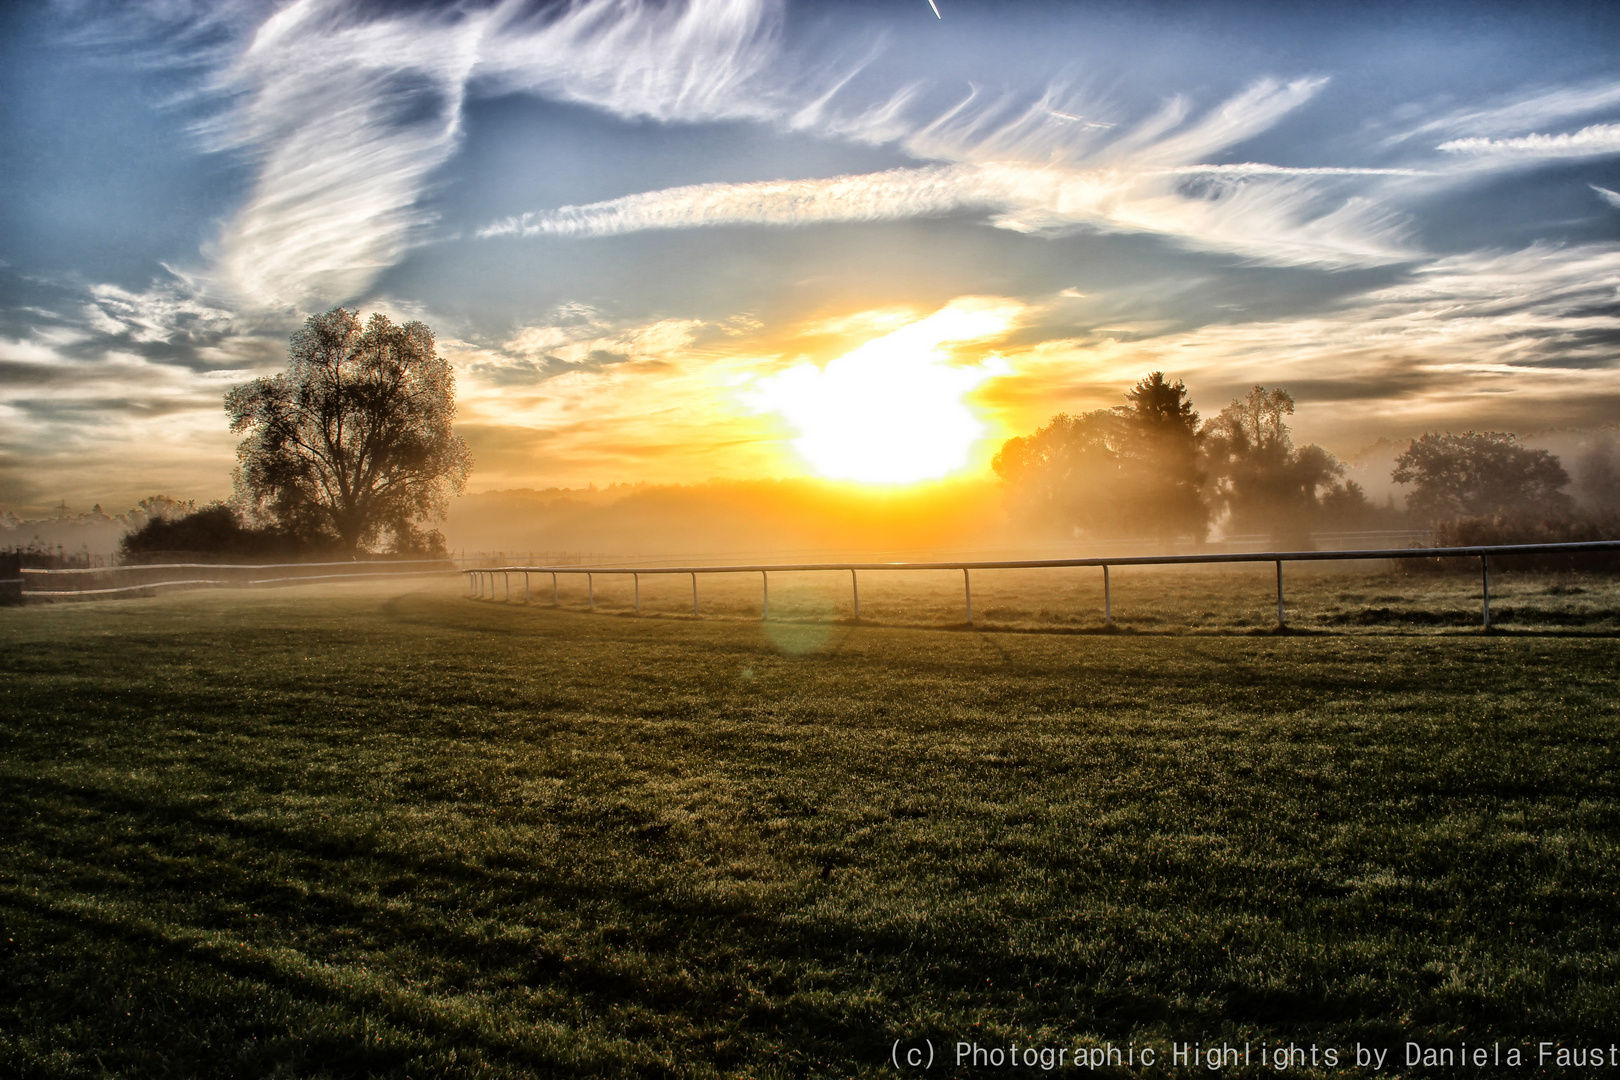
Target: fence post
967, 590
1280, 623
636, 578
554, 588
590, 588
855, 589
765, 583
1108, 599
1485, 582
507, 575
525, 586
694, 595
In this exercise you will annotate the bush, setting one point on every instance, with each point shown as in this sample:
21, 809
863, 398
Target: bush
213, 531
1523, 528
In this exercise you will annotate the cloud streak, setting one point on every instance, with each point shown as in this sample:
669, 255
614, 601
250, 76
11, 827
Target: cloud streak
1275, 219
1548, 106
1038, 173
701, 60
1598, 139
1443, 346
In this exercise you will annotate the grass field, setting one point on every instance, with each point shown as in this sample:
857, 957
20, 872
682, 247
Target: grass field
1321, 596
389, 831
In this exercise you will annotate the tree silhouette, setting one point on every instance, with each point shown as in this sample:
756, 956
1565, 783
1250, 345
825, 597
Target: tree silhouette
1067, 474
1162, 461
351, 446
1477, 474
1262, 481
1131, 470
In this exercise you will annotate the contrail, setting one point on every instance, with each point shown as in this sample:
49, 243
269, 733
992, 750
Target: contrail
935, 6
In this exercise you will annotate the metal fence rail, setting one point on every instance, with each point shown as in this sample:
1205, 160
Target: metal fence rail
163, 575
481, 582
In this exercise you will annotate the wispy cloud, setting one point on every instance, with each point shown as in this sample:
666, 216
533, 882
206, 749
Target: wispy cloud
700, 60
1610, 197
1516, 338
1590, 141
534, 406
347, 119
348, 113
117, 395
1278, 221
1517, 115
1038, 173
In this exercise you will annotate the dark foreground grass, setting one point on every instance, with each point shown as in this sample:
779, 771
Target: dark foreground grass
407, 834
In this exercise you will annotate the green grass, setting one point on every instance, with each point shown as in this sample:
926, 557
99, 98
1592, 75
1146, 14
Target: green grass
401, 833
1334, 597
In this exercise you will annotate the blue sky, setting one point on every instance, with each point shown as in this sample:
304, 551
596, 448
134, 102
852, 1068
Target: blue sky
631, 223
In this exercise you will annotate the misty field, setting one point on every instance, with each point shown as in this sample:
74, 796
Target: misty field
1337, 597
391, 831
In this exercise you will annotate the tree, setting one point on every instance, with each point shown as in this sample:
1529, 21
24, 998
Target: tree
1160, 451
1263, 482
351, 446
1477, 474
1067, 474
214, 530
1598, 473
1131, 470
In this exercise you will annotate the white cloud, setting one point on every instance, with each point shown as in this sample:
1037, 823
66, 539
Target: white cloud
349, 116
159, 314
1610, 197
1588, 142
1549, 106
702, 60
1038, 174
898, 193
1540, 320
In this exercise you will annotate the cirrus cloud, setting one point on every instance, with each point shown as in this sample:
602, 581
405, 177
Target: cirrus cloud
1593, 141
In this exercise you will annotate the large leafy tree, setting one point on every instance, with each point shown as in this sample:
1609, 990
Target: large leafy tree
1478, 474
1067, 474
1262, 481
352, 445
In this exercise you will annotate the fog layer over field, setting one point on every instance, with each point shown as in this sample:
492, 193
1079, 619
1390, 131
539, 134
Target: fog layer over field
736, 519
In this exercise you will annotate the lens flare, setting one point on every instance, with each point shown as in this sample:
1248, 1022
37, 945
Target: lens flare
894, 410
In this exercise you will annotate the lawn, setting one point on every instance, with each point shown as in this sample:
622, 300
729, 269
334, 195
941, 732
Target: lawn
390, 831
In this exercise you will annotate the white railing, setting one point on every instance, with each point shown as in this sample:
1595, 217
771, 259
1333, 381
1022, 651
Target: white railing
477, 578
163, 575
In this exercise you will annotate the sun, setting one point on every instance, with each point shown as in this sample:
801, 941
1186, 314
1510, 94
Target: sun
894, 410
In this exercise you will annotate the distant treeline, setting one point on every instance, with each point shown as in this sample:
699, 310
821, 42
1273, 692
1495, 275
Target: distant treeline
164, 529
1151, 467
69, 540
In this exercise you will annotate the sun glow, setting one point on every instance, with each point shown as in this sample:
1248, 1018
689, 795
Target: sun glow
894, 410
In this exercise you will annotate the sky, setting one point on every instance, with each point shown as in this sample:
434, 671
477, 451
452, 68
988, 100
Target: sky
669, 242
